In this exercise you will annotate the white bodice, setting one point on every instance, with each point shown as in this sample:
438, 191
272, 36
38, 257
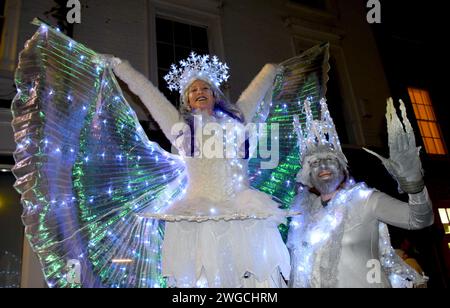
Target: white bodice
217, 170
215, 178
218, 187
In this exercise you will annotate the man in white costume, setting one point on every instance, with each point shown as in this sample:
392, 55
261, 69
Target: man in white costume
341, 239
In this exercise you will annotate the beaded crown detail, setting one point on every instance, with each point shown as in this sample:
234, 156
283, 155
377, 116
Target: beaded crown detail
196, 66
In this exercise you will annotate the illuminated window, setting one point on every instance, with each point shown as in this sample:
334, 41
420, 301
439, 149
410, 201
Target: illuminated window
445, 219
426, 119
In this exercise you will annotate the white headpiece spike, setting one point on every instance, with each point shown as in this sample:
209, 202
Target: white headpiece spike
196, 67
330, 128
319, 136
319, 133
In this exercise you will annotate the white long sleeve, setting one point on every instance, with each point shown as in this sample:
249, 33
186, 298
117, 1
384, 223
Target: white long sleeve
164, 113
256, 91
414, 215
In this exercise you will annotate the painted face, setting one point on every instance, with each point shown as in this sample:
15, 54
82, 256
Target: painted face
200, 96
326, 173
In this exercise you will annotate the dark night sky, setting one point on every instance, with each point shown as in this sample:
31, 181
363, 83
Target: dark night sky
412, 42
414, 20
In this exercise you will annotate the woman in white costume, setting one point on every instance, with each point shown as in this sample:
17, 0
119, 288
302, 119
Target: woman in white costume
220, 233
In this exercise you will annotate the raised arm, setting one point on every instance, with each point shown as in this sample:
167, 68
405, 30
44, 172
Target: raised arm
164, 113
256, 91
414, 215
406, 168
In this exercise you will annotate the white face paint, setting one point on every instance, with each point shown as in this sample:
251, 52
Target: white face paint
326, 173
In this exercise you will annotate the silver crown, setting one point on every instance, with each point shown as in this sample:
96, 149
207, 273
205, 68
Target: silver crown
196, 67
319, 136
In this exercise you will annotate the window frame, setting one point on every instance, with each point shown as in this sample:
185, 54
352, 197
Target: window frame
173, 96
429, 118
203, 13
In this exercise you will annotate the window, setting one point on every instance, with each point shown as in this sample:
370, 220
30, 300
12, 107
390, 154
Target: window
11, 241
175, 41
426, 119
445, 219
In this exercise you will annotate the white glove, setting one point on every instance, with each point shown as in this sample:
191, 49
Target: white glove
107, 60
404, 161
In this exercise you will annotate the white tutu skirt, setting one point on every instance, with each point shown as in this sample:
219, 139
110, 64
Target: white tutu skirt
225, 254
230, 243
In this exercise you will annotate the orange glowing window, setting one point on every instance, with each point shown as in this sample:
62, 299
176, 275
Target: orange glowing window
444, 214
426, 119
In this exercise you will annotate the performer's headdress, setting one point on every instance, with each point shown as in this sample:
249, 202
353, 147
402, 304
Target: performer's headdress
208, 69
319, 137
196, 67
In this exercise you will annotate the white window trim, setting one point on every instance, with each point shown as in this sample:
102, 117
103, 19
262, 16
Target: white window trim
8, 52
201, 13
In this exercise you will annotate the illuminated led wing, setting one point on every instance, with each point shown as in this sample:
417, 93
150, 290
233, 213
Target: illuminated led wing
301, 77
85, 168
